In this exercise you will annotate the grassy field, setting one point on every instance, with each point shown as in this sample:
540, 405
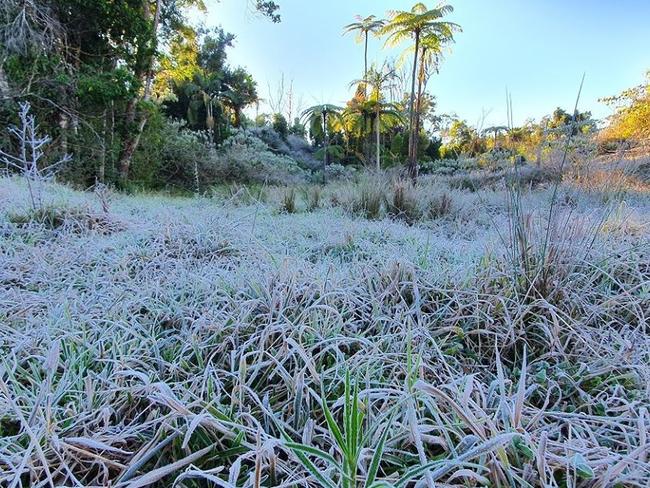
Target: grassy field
362, 334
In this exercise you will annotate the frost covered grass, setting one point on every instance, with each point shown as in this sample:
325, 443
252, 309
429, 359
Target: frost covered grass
223, 342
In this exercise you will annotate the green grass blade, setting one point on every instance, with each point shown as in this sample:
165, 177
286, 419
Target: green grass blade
376, 457
311, 467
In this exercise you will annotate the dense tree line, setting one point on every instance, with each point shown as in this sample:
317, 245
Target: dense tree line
138, 95
102, 76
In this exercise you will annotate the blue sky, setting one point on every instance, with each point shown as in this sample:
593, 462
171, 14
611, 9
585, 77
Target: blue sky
539, 49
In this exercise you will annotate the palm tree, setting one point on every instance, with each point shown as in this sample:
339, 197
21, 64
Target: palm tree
382, 113
354, 124
364, 26
496, 130
430, 55
319, 118
417, 24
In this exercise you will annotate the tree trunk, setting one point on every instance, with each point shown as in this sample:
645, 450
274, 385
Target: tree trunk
101, 171
412, 158
132, 140
64, 125
326, 143
237, 117
4, 85
365, 67
418, 106
377, 120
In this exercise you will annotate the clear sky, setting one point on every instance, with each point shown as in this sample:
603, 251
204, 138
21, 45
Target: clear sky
539, 49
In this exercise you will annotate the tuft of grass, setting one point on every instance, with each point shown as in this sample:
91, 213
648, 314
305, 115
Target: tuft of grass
404, 204
55, 217
368, 201
50, 217
439, 206
288, 203
314, 198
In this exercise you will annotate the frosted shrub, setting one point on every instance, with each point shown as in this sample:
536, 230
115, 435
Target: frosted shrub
272, 139
496, 159
245, 158
186, 156
334, 172
303, 153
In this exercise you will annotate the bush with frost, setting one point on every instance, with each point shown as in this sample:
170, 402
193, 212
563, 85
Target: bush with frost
245, 158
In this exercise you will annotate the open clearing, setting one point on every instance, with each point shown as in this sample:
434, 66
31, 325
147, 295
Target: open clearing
196, 331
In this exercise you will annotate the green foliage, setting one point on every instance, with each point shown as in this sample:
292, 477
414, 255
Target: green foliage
631, 121
92, 70
100, 88
335, 154
169, 155
280, 125
351, 439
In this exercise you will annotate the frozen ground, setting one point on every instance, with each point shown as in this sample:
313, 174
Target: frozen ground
215, 326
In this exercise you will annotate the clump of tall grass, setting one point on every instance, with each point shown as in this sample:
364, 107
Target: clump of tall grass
314, 198
54, 217
439, 206
404, 203
288, 204
368, 200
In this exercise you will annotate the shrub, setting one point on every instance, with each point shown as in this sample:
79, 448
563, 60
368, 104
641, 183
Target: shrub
280, 126
642, 172
245, 158
27, 161
496, 159
275, 142
334, 172
475, 181
335, 154
533, 177
170, 155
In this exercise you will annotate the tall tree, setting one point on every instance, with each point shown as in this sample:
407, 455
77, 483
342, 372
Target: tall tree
382, 112
414, 25
364, 27
145, 72
430, 55
319, 119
